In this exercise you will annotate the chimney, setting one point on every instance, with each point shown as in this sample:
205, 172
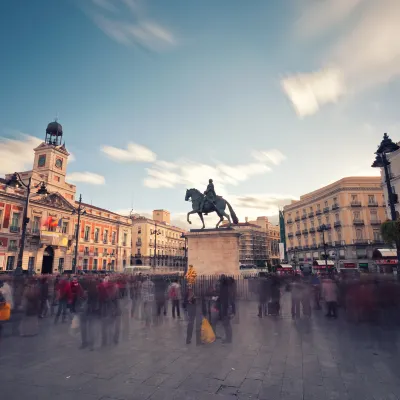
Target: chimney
246, 219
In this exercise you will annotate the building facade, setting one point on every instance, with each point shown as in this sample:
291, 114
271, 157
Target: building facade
350, 210
259, 241
155, 242
104, 238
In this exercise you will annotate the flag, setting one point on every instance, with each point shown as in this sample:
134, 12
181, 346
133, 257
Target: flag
60, 223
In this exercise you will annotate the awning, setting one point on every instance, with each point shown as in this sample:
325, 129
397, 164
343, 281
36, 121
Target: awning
285, 266
384, 253
322, 263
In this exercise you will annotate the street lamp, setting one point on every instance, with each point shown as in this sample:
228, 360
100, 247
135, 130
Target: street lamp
155, 232
80, 211
388, 146
184, 248
322, 229
16, 182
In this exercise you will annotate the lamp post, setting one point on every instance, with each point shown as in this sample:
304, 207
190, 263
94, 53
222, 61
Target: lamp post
184, 248
16, 182
155, 232
322, 229
80, 211
388, 146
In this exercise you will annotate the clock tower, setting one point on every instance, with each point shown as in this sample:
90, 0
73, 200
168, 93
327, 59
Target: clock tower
50, 163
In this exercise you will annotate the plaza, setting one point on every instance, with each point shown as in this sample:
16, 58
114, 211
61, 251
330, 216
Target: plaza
270, 359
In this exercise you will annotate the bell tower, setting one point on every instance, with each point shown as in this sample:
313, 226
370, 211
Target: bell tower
50, 163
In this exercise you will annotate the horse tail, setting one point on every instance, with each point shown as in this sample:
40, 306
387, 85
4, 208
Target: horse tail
233, 214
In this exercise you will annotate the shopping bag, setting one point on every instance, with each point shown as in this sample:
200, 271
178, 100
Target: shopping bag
75, 322
5, 312
207, 332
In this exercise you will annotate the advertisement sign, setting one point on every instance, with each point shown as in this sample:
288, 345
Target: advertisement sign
349, 265
281, 251
53, 239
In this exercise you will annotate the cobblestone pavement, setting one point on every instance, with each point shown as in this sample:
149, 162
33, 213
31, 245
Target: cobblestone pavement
270, 359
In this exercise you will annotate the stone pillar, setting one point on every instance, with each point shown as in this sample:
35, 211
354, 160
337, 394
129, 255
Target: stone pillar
214, 251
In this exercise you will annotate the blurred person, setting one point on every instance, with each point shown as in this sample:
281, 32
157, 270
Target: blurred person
296, 291
147, 299
135, 288
31, 306
88, 313
275, 295
7, 292
316, 287
225, 302
44, 297
63, 294
175, 295
306, 294
75, 294
263, 294
195, 312
53, 297
330, 294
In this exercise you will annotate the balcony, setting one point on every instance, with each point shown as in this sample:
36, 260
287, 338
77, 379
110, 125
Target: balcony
15, 229
376, 222
335, 206
311, 214
377, 242
96, 240
124, 244
304, 216
138, 255
86, 253
361, 242
140, 243
96, 253
355, 204
12, 248
339, 243
86, 238
297, 219
326, 210
373, 204
318, 212
35, 232
358, 222
337, 224
298, 233
306, 247
305, 231
105, 241
289, 221
311, 230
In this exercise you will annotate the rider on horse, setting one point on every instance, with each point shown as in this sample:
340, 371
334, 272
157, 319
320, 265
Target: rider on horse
210, 195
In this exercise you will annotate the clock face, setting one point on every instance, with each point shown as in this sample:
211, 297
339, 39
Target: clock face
42, 160
59, 163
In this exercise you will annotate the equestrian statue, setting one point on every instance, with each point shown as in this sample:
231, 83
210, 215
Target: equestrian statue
209, 202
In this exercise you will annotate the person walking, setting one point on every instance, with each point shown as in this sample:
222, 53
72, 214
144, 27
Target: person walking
296, 296
31, 306
63, 294
175, 295
44, 297
330, 294
147, 298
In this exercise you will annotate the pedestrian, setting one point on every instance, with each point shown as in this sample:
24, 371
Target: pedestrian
31, 306
44, 297
147, 298
263, 294
63, 294
329, 292
193, 306
75, 294
296, 296
175, 295
225, 304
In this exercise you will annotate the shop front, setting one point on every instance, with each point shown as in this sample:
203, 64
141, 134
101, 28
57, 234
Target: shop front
385, 260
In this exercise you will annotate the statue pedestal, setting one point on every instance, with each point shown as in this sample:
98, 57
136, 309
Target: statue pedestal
214, 251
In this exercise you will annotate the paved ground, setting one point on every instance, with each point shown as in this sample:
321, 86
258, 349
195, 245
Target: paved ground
272, 358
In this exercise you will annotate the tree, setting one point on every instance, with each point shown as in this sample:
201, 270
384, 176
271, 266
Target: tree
390, 231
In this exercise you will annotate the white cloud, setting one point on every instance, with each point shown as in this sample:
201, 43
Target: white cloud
133, 27
86, 177
271, 156
133, 152
16, 155
308, 92
363, 57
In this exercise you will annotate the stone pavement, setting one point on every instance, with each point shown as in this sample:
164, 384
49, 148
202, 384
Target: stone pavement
270, 359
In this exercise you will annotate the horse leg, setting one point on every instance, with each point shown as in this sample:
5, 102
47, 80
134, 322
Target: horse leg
202, 219
190, 212
222, 215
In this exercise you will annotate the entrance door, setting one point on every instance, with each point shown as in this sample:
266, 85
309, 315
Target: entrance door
48, 258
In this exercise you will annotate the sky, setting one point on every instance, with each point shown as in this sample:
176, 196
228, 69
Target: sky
270, 99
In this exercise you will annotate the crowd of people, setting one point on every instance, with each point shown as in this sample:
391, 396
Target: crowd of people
107, 303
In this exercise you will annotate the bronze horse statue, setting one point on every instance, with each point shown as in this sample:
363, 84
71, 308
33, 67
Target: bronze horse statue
219, 207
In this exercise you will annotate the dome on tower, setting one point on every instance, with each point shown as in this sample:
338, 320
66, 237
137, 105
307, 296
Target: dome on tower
54, 129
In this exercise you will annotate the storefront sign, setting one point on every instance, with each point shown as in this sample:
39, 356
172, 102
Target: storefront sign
386, 262
363, 265
349, 265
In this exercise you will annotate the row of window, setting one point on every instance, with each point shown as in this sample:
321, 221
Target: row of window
354, 200
163, 232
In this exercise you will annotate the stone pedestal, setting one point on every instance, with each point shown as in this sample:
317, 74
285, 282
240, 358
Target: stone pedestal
214, 251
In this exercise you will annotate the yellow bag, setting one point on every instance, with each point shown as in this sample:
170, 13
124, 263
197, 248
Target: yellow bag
5, 312
207, 332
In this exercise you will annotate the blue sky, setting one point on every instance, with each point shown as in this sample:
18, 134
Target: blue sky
270, 99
